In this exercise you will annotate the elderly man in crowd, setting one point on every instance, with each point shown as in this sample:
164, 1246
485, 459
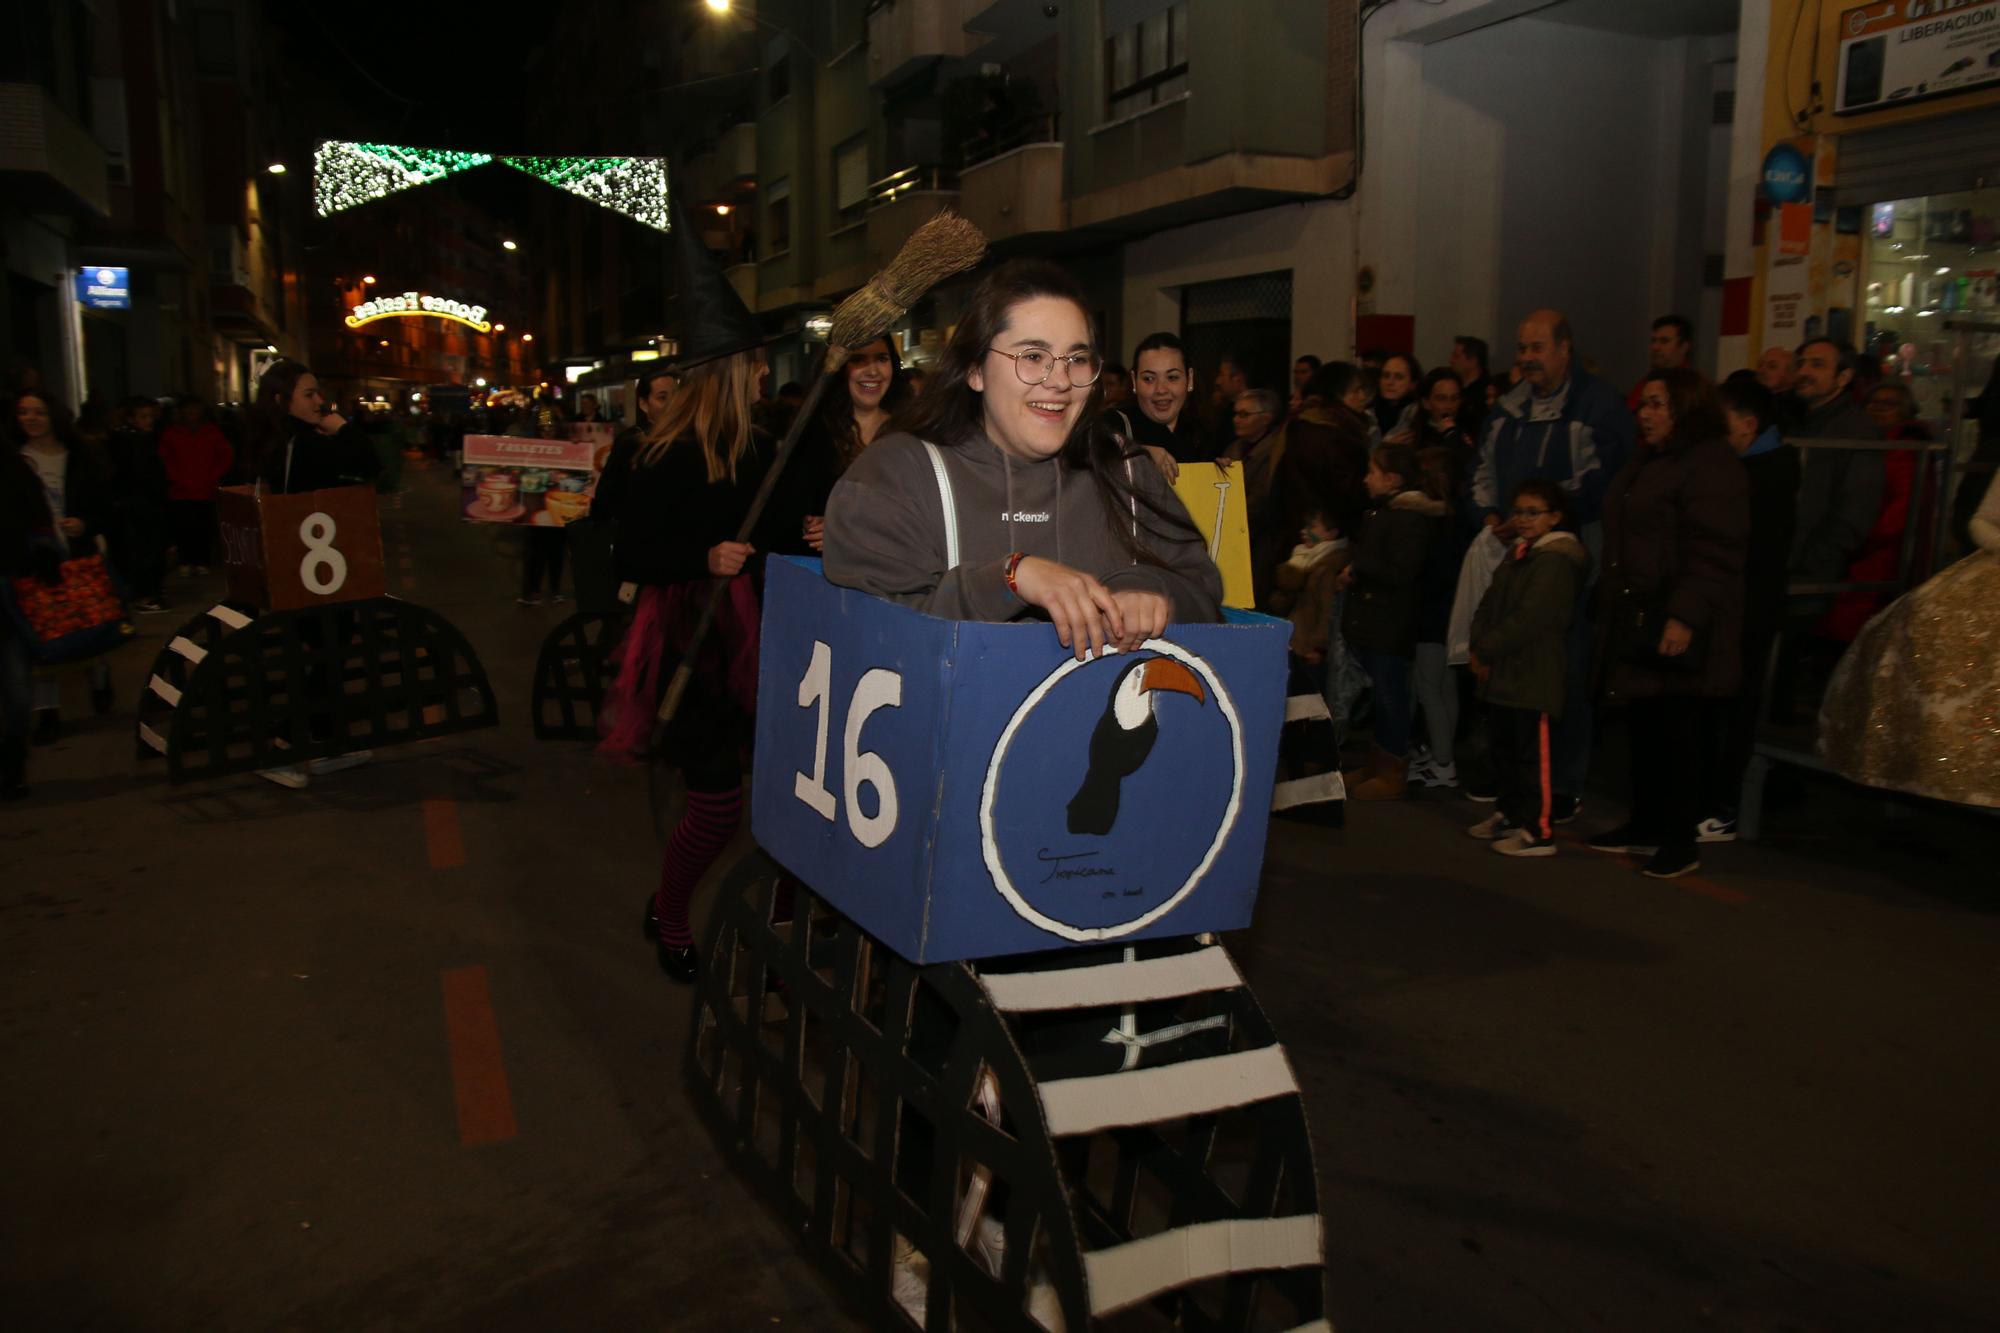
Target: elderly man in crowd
1565, 424
1258, 422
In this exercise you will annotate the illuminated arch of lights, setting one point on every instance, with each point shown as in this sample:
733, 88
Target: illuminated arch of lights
418, 305
348, 175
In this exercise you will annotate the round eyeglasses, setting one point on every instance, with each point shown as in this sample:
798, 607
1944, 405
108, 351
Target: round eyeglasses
1035, 365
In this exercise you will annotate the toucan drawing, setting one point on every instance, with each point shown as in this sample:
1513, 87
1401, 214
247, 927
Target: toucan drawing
1123, 738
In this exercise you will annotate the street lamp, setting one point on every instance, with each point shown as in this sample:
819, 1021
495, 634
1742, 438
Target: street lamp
499, 328
527, 337
508, 245
276, 168
725, 8
369, 281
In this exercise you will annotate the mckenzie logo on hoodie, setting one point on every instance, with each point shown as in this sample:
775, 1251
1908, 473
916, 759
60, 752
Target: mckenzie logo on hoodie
1020, 516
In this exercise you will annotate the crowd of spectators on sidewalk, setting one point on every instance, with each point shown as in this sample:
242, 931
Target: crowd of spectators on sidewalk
1423, 531
1403, 519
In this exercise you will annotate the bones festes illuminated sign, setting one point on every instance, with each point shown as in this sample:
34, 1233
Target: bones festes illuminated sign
416, 305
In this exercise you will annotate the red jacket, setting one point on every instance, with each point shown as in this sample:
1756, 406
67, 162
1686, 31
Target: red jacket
1880, 558
196, 458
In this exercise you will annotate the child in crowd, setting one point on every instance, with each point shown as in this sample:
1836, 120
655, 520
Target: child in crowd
1306, 588
1380, 618
1518, 657
1435, 685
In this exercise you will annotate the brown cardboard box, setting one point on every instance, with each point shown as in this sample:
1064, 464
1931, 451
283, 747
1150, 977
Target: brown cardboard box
283, 552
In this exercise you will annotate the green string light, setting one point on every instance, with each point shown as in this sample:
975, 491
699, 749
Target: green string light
348, 175
634, 186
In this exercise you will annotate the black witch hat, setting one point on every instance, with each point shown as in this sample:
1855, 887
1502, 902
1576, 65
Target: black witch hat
714, 320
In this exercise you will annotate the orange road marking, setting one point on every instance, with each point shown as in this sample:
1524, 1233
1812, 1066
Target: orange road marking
478, 1076
1708, 888
442, 843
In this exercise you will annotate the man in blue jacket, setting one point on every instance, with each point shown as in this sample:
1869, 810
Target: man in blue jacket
1565, 424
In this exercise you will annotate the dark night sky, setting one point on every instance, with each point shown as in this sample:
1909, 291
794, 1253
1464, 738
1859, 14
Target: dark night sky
421, 72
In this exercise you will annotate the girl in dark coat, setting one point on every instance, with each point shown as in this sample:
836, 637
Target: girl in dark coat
26, 527
1676, 528
1771, 467
298, 443
76, 485
678, 500
850, 418
1385, 592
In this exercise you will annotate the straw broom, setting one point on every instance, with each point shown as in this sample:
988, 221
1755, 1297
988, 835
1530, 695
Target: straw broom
944, 246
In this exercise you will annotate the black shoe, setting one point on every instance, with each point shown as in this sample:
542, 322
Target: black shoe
100, 698
650, 926
1562, 809
13, 769
1671, 862
1627, 839
678, 964
48, 727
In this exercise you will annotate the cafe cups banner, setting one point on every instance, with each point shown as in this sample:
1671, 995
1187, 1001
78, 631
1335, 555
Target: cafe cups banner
525, 482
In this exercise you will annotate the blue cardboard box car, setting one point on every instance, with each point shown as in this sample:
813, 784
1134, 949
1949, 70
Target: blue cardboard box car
968, 790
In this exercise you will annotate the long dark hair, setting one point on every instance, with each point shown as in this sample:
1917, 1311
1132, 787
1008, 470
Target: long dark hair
1696, 411
271, 419
951, 413
836, 408
62, 424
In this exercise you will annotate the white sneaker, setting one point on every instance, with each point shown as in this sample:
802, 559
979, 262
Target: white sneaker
1492, 827
1435, 774
338, 762
1523, 843
1715, 830
291, 775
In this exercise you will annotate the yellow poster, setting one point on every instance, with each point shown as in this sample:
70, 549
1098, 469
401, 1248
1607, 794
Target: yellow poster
1213, 494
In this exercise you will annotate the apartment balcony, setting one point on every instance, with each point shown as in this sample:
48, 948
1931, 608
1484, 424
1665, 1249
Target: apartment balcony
899, 204
1012, 184
905, 34
718, 172
736, 152
47, 160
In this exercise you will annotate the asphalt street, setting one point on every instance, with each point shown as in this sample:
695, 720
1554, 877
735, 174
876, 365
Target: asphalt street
389, 1053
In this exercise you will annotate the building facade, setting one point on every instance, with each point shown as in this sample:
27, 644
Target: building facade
1181, 161
150, 249
1863, 187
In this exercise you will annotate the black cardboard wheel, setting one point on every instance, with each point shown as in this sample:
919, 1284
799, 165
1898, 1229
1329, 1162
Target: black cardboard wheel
1082, 1140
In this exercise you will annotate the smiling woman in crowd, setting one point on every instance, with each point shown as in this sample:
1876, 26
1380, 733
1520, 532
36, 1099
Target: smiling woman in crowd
999, 496
847, 422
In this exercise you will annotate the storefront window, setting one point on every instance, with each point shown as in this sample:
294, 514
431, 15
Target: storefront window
1929, 262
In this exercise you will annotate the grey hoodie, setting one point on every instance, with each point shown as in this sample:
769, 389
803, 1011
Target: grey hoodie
885, 531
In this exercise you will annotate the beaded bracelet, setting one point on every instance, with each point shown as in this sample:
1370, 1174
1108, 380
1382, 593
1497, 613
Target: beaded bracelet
1013, 567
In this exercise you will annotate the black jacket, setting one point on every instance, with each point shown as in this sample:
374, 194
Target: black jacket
1840, 493
1187, 441
669, 514
24, 515
1774, 505
310, 460
137, 475
1676, 527
1388, 563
